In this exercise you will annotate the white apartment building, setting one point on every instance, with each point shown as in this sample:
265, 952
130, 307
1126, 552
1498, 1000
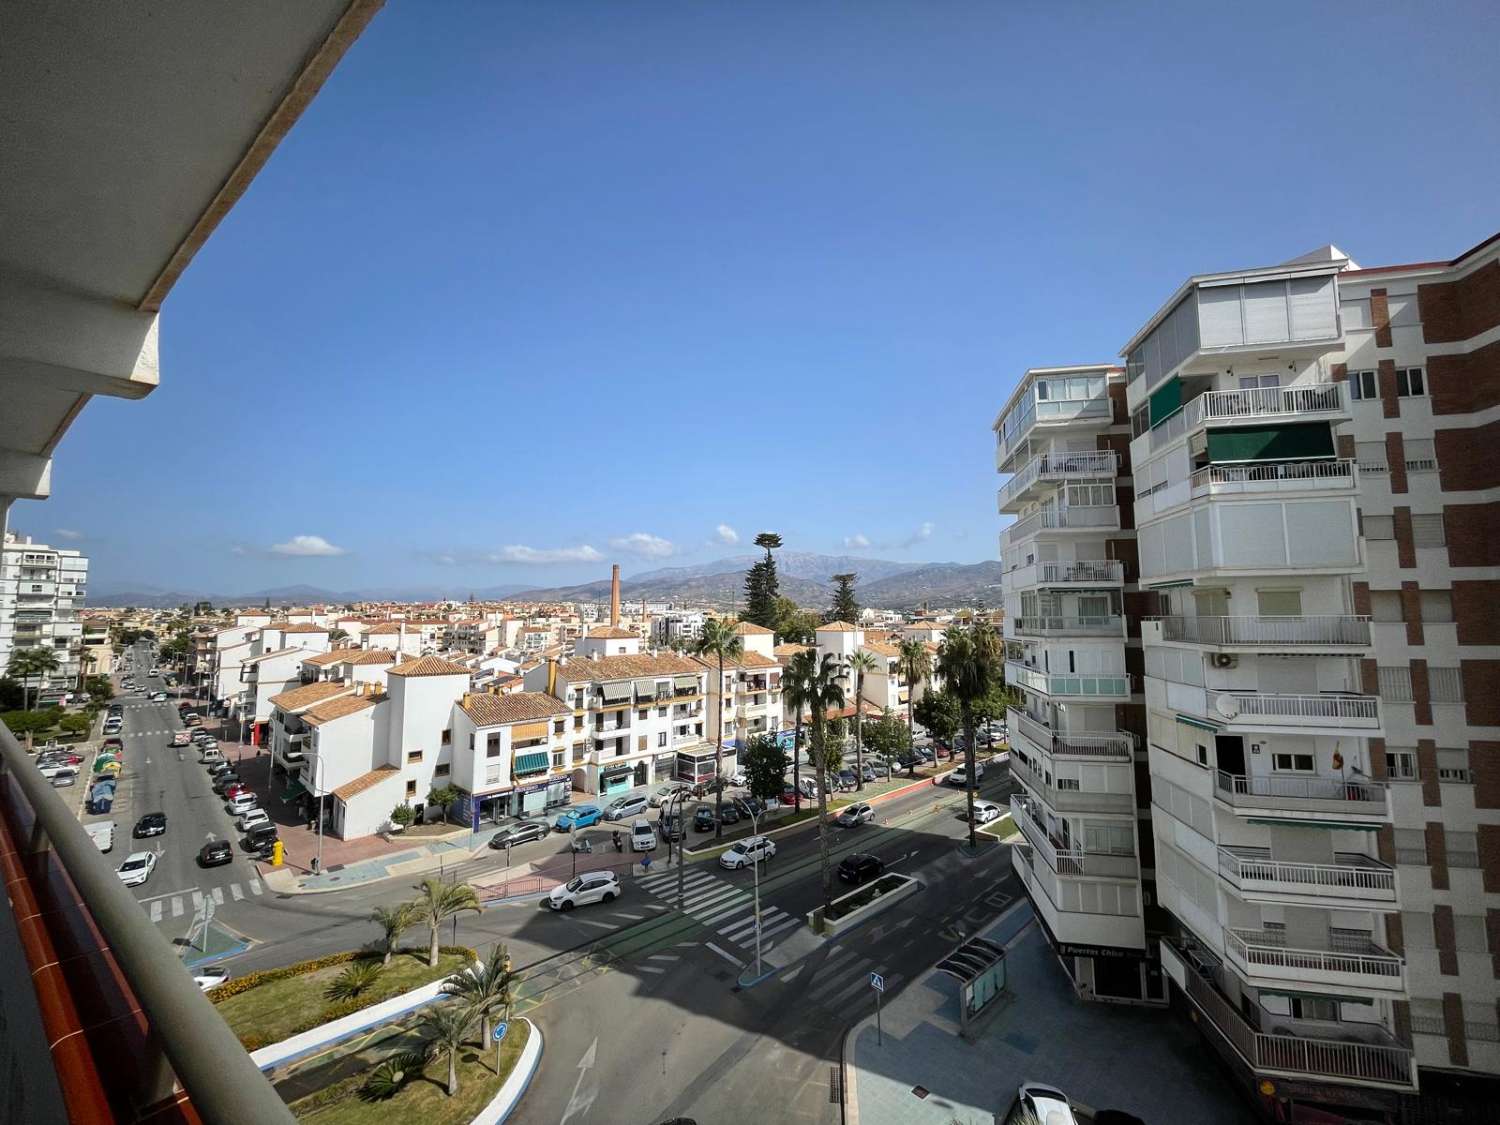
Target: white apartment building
1061, 438
676, 627
748, 701
511, 754
42, 589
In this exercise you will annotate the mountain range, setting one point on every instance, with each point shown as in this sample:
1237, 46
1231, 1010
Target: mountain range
804, 577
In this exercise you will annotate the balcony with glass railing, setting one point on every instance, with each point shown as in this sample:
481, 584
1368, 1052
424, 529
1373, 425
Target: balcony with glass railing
1346, 959
1304, 795
1356, 882
1056, 468
1336, 631
1100, 517
1050, 625
1086, 745
1070, 860
1364, 1054
1062, 799
1083, 574
1026, 415
1109, 686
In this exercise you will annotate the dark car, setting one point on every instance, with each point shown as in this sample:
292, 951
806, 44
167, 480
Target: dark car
518, 834
152, 824
846, 779
670, 826
749, 806
860, 868
215, 853
710, 787
216, 768
260, 838
225, 780
703, 819
730, 814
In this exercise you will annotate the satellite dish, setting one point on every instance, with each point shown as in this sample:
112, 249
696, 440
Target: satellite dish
1227, 705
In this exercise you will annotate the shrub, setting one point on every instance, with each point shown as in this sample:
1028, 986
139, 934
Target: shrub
237, 985
386, 1080
357, 978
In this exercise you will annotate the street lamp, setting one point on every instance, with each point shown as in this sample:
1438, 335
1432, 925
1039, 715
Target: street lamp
678, 798
318, 784
755, 865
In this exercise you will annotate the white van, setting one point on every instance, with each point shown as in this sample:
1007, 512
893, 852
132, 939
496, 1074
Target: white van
211, 755
642, 837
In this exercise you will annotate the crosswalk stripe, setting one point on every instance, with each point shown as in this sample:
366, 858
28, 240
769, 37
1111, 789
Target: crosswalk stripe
177, 906
737, 929
218, 896
708, 896
778, 927
197, 902
255, 886
661, 884
847, 992
834, 981
234, 889
156, 911
650, 969
732, 903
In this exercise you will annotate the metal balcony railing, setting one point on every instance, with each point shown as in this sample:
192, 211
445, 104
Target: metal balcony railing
1311, 400
1046, 625
1118, 745
1096, 516
1273, 476
1274, 787
1092, 464
1333, 710
79, 911
1250, 869
1324, 629
1069, 800
1068, 860
1348, 953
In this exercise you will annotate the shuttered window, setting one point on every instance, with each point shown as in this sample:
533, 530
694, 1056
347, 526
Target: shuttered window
1385, 606
1265, 312
1421, 455
1379, 527
1463, 848
1411, 848
1416, 930
1395, 685
1437, 605
1279, 603
1446, 684
1219, 316
1371, 456
1453, 765
1427, 531
1312, 307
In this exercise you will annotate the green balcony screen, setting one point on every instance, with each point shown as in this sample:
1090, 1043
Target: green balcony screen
1166, 401
1271, 443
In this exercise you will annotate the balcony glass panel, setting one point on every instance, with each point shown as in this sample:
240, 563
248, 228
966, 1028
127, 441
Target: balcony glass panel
1318, 630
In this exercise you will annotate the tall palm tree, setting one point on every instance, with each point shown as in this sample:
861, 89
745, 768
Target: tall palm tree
916, 665
484, 988
825, 692
862, 661
796, 693
393, 922
438, 901
969, 662
447, 1028
32, 664
720, 640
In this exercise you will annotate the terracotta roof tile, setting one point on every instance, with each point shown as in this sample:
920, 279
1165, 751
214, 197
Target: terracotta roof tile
584, 670
361, 656
836, 627
324, 659
744, 660
751, 629
308, 694
881, 648
365, 781
493, 710
429, 666
613, 633
332, 709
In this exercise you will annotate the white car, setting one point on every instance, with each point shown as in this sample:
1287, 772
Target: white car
752, 849
986, 811
241, 803
739, 779
592, 886
624, 807
103, 834
250, 819
137, 868
1046, 1104
154, 672
666, 793
210, 977
642, 837
158, 697
960, 776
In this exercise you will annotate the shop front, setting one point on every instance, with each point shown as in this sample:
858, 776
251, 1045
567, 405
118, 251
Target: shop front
615, 779
530, 797
696, 764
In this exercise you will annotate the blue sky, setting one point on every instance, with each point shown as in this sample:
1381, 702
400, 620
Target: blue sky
535, 287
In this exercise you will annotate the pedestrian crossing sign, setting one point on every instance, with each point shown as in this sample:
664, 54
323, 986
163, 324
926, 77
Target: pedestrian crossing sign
877, 982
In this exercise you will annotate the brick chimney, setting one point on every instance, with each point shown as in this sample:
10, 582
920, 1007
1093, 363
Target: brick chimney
614, 595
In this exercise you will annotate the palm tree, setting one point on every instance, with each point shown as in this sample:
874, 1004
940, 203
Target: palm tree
969, 662
484, 988
439, 901
393, 922
825, 692
32, 664
720, 640
447, 1028
796, 693
862, 661
916, 666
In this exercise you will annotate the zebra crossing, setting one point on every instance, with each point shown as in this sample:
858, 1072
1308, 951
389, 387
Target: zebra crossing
840, 979
163, 908
726, 908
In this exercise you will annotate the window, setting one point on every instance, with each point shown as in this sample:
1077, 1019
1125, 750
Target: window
1411, 846
1416, 929
557, 759
1427, 1017
1453, 766
1427, 531
1410, 382
447, 738
1362, 385
1140, 421
1469, 933
643, 713
1279, 603
1463, 848
1202, 755
1379, 527
577, 722
1421, 455
661, 712
492, 746
443, 769
1446, 685
1395, 684
1091, 495
1437, 605
661, 739
641, 743
1285, 762
559, 726
413, 757
1401, 765
1371, 456
1385, 606
411, 789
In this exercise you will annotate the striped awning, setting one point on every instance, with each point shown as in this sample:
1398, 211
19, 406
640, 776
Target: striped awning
532, 763
522, 731
614, 693
686, 683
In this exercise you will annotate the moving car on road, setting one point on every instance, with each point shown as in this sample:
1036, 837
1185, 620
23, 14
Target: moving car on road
855, 815
752, 849
152, 824
137, 868
215, 853
580, 817
860, 867
986, 811
180, 738
158, 697
518, 834
593, 886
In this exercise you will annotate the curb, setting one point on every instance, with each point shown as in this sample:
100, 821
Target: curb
516, 1083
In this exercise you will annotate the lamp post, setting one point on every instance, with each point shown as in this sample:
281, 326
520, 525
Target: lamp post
317, 781
755, 865
678, 799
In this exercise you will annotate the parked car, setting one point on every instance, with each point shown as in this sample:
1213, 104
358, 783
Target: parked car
241, 803
137, 868
855, 815
739, 779
210, 977
710, 787
960, 775
986, 811
669, 825
252, 819
65, 777
261, 837
622, 808
860, 867
154, 672
1045, 1104
235, 790
152, 824
192, 719
217, 765
518, 834
52, 768
215, 853
642, 836
581, 816
180, 738
103, 834
752, 849
224, 780
845, 780
703, 819
112, 726
592, 886
749, 806
666, 793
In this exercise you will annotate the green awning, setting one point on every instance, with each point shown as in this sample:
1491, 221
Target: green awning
1271, 443
532, 763
1170, 585
294, 790
1166, 401
1340, 825
1199, 723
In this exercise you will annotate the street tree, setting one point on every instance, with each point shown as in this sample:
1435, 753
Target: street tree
845, 608
393, 922
444, 797
32, 664
446, 1028
888, 737
938, 711
916, 666
719, 641
796, 693
764, 763
969, 661
825, 693
438, 901
484, 988
863, 662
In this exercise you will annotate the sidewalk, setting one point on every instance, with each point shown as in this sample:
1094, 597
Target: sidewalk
1104, 1056
409, 862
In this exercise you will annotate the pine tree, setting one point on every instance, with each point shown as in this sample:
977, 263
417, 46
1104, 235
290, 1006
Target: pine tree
761, 585
845, 608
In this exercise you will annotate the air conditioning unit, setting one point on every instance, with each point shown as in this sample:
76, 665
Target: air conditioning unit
1225, 660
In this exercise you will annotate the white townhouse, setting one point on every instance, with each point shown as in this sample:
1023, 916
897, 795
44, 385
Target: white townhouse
511, 754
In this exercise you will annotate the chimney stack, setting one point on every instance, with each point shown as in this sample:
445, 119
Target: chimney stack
614, 595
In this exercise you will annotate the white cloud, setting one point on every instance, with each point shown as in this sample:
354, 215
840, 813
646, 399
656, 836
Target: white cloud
644, 545
239, 549
921, 535
861, 542
727, 535
856, 542
307, 546
516, 553
68, 533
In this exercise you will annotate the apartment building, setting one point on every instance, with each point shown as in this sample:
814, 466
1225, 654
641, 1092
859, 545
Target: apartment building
1071, 650
747, 702
97, 654
41, 591
677, 628
512, 754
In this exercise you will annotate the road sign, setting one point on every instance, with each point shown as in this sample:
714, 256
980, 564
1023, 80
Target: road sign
877, 982
500, 1029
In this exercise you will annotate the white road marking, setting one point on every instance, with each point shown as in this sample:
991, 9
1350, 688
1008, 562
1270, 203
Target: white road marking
587, 922
632, 917
780, 926
664, 957
724, 911
218, 896
234, 889
156, 911
177, 907
732, 960
650, 969
169, 894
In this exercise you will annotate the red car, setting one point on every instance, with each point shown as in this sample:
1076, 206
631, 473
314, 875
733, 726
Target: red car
235, 790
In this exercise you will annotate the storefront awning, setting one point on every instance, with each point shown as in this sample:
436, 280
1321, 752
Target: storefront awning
293, 791
616, 771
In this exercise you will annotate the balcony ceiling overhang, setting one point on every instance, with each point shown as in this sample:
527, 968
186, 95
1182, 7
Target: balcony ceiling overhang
130, 131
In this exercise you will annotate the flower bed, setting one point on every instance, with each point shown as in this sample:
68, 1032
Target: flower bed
852, 909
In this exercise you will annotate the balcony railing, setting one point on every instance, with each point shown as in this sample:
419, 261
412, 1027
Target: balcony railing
1116, 745
1298, 710
1351, 876
1101, 572
1298, 1054
1045, 625
1066, 860
1273, 476
1107, 686
1324, 630
1362, 794
1309, 400
1087, 464
1349, 954
1097, 516
1069, 800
